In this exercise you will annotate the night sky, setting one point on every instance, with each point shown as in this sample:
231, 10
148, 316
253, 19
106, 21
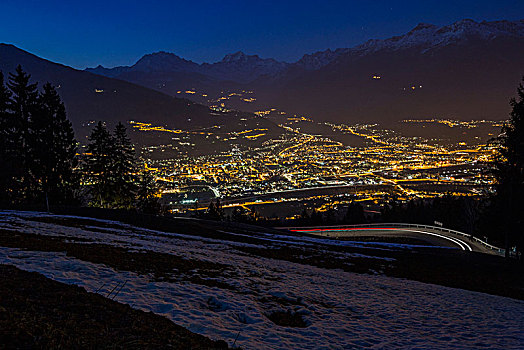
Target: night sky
88, 33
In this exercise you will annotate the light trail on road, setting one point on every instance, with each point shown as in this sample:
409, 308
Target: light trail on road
463, 245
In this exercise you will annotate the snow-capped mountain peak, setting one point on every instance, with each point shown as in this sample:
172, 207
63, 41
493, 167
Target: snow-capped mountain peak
424, 36
429, 36
423, 26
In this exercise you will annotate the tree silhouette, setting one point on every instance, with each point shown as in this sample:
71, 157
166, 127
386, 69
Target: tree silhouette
24, 105
98, 166
509, 174
112, 173
123, 178
147, 193
37, 144
215, 211
53, 147
6, 146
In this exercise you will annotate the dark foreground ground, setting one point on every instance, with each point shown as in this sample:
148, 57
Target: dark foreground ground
36, 312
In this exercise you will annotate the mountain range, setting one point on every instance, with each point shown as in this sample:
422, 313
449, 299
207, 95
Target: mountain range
466, 70
237, 67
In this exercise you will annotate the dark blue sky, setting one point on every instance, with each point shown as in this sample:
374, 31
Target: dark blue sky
88, 33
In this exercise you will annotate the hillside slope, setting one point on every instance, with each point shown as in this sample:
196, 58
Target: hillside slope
466, 70
89, 96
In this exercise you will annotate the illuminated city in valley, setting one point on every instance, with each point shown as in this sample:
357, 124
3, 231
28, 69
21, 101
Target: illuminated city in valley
271, 159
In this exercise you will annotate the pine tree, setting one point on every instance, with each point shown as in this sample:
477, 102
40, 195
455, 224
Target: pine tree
123, 169
509, 174
146, 194
98, 166
53, 147
24, 104
5, 115
5, 142
215, 211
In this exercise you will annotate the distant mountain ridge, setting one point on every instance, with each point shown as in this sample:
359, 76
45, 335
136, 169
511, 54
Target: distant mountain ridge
465, 70
237, 66
425, 36
245, 68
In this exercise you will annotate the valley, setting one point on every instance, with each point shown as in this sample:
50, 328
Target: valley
275, 159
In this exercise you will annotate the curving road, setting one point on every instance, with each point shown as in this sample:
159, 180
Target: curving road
431, 235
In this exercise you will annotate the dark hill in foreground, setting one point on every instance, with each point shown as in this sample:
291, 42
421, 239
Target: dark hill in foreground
89, 96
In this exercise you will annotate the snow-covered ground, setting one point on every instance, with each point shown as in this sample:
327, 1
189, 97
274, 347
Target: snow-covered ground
341, 309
